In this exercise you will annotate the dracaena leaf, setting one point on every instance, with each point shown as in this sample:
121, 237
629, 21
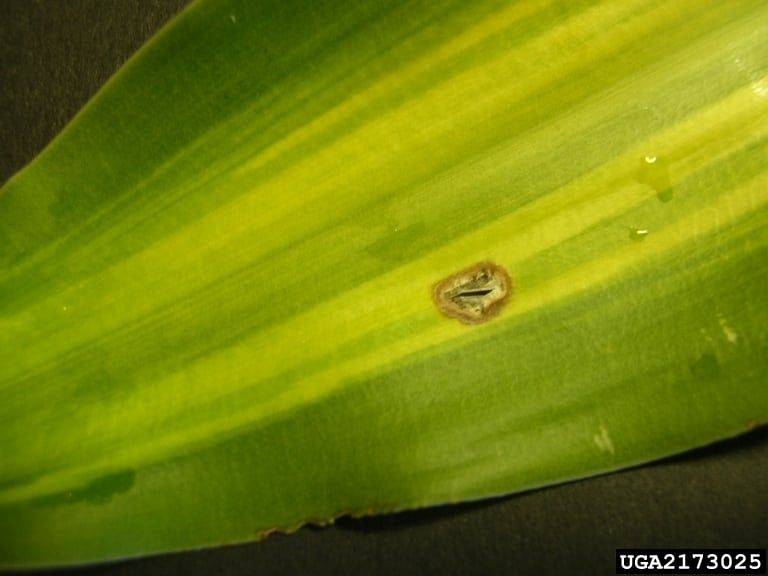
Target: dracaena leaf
303, 259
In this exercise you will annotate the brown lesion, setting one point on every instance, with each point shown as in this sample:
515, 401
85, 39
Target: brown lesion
474, 295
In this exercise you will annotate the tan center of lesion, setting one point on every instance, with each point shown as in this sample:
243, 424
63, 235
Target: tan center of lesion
473, 295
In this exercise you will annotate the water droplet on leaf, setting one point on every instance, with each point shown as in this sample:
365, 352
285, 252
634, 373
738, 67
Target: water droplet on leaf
637, 234
654, 172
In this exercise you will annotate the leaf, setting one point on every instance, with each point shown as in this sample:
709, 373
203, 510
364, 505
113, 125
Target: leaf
217, 286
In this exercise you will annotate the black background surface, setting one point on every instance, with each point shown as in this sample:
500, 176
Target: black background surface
54, 55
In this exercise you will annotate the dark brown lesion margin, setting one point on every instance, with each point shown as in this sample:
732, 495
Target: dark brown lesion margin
473, 295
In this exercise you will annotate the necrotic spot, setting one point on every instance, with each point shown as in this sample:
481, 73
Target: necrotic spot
473, 295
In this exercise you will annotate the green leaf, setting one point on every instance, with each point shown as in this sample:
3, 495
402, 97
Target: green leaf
217, 286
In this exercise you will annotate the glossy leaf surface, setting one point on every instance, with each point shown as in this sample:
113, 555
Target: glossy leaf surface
216, 308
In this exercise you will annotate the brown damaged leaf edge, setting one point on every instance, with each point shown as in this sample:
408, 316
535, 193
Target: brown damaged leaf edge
474, 295
330, 521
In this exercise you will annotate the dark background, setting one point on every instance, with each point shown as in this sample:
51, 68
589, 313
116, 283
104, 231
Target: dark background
54, 55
